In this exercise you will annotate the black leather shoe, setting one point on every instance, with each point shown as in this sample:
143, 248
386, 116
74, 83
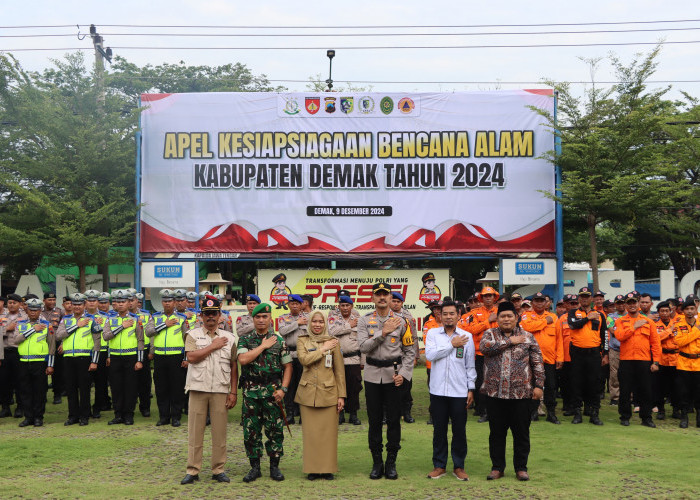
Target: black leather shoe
38, 422
313, 477
353, 419
96, 414
84, 422
625, 422
163, 421
595, 420
57, 401
483, 418
189, 479
577, 417
328, 477
71, 421
129, 421
176, 422
408, 418
684, 422
5, 413
146, 413
551, 417
661, 415
26, 422
18, 413
115, 421
647, 422
377, 471
221, 477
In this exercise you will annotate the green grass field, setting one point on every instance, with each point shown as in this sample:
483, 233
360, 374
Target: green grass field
144, 461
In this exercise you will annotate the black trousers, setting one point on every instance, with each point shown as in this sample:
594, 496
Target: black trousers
585, 377
668, 388
123, 379
100, 377
513, 414
144, 385
33, 384
353, 386
406, 397
169, 377
78, 382
550, 386
689, 390
634, 377
564, 379
58, 382
479, 399
380, 397
292, 408
9, 377
446, 409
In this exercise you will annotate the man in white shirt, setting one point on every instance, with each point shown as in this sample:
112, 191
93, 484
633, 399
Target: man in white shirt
452, 378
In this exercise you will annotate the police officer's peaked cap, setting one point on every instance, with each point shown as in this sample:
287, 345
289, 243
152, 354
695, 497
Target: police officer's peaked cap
121, 295
204, 293
138, 296
180, 293
252, 297
219, 297
77, 298
397, 296
131, 290
279, 277
294, 298
428, 277
261, 308
104, 297
211, 304
345, 299
191, 295
49, 295
34, 304
92, 294
343, 293
381, 286
584, 291
166, 294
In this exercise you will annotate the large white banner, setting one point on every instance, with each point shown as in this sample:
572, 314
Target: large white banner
336, 172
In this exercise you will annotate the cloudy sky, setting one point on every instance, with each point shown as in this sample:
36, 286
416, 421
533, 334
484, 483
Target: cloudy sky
291, 62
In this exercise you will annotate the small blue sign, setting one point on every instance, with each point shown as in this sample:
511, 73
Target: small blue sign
168, 271
535, 267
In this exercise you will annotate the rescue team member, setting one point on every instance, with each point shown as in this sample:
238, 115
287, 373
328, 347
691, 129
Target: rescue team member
291, 326
266, 371
640, 351
614, 352
564, 374
244, 323
667, 364
9, 370
167, 331
344, 328
212, 382
145, 381
80, 337
433, 320
36, 345
589, 351
542, 324
53, 315
517, 301
477, 322
100, 377
687, 337
389, 363
409, 338
124, 335
451, 390
513, 376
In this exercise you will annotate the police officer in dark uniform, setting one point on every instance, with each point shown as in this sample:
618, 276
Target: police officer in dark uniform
389, 363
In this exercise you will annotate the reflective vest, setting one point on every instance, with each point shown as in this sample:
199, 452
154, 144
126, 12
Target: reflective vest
125, 342
145, 317
79, 343
35, 347
169, 340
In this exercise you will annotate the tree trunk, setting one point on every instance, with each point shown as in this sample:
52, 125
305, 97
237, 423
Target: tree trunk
591, 220
103, 269
81, 278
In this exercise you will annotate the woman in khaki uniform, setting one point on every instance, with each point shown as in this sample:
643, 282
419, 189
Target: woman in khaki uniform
321, 396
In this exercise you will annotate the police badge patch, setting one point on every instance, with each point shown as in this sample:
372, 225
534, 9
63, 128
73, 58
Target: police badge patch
329, 103
347, 104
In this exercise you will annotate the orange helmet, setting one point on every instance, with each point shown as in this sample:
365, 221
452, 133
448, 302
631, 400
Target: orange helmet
487, 290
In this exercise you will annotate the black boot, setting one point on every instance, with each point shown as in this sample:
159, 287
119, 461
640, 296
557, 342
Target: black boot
353, 419
254, 471
684, 420
595, 420
341, 417
408, 418
534, 416
484, 417
577, 416
390, 467
552, 417
6, 412
275, 472
377, 466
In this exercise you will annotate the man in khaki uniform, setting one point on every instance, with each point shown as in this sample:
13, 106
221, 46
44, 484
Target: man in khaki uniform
212, 381
244, 324
291, 326
344, 328
389, 363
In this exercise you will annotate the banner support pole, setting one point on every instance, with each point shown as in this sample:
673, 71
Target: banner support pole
559, 213
137, 246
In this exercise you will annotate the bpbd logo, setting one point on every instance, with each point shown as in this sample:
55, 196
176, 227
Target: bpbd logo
168, 271
529, 268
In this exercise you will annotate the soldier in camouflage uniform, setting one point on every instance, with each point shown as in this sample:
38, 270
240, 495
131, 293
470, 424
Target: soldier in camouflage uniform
266, 370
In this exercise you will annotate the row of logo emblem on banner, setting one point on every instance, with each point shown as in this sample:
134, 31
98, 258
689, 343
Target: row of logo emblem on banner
346, 105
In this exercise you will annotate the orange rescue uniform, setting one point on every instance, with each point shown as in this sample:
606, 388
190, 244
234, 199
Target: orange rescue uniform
565, 331
550, 341
431, 323
669, 348
687, 338
637, 344
477, 322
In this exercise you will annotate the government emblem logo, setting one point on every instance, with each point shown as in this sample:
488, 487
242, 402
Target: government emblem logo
329, 103
347, 104
366, 105
292, 106
386, 105
406, 105
312, 104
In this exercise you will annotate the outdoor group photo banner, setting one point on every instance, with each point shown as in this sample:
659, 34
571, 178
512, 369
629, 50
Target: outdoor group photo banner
347, 173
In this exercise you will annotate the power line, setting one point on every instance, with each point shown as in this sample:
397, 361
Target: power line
376, 47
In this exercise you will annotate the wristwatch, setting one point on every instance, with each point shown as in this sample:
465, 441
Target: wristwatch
284, 389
